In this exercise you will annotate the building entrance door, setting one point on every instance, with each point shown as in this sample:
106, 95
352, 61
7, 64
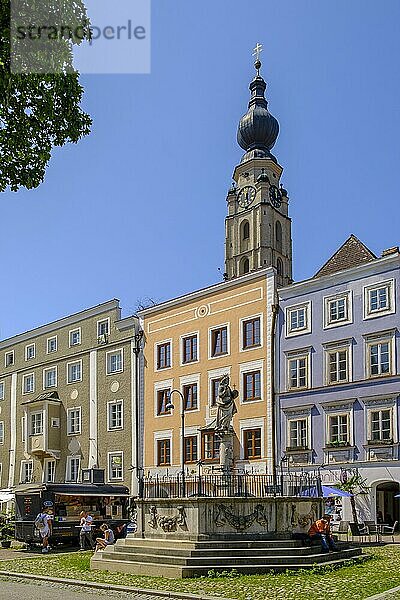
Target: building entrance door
387, 506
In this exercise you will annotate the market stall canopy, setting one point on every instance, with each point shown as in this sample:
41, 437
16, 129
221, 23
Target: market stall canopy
327, 492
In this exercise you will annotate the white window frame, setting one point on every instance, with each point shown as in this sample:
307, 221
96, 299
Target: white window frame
190, 380
2, 434
26, 467
348, 302
298, 355
250, 367
181, 338
68, 470
165, 434
109, 405
336, 408
156, 345
50, 339
387, 337
71, 332
338, 346
376, 403
228, 341
391, 309
2, 390
98, 324
71, 364
242, 321
158, 386
307, 306
70, 411
49, 387
245, 425
109, 467
46, 465
29, 347
32, 430
24, 379
215, 374
109, 353
338, 415
6, 355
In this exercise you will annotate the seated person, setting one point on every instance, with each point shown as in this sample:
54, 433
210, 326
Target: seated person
108, 538
320, 530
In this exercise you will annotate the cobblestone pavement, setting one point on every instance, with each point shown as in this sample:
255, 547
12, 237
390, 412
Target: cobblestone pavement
37, 590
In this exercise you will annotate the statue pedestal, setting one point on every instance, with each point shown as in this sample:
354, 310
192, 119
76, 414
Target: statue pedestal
226, 452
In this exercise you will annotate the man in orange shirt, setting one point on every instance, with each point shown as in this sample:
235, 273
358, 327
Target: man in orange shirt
320, 530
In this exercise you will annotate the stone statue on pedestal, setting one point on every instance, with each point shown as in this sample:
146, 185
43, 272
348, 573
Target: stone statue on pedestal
226, 408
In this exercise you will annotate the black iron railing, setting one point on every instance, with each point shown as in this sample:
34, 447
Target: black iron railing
244, 485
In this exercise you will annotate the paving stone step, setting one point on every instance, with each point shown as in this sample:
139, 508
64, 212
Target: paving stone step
170, 543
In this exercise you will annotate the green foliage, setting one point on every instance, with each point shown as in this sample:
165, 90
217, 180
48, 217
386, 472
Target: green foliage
38, 111
7, 526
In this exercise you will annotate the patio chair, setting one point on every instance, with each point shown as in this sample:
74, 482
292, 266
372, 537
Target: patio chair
388, 530
358, 530
343, 529
373, 529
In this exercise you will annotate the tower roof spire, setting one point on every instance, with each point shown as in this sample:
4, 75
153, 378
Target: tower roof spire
258, 129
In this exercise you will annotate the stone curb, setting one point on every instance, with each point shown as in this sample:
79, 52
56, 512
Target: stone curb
384, 594
111, 587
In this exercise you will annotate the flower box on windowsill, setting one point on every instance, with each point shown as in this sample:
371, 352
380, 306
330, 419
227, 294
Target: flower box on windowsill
380, 442
297, 449
333, 445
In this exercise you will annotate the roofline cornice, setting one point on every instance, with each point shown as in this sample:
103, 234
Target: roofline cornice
316, 283
224, 285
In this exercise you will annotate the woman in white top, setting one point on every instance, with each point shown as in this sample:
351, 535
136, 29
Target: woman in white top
108, 538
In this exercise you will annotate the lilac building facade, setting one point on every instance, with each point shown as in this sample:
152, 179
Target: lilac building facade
339, 375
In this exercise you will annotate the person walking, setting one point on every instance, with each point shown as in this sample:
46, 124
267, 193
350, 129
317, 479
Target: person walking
320, 530
108, 538
44, 525
85, 534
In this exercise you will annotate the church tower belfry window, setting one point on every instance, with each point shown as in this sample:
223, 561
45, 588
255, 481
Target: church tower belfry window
258, 227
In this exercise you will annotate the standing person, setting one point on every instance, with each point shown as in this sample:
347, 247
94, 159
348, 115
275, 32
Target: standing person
86, 530
320, 530
44, 525
108, 538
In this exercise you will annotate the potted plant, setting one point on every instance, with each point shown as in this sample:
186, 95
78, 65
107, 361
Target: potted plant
7, 529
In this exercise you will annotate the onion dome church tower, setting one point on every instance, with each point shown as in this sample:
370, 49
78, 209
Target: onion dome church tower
258, 227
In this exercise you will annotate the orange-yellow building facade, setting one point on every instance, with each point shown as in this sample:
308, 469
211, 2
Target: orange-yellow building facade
190, 343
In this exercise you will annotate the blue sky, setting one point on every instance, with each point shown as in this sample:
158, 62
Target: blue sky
137, 209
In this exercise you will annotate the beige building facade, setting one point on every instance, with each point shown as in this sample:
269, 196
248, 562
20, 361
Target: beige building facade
191, 342
68, 399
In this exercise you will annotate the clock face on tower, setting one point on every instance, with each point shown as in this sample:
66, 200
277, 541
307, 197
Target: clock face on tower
275, 195
246, 196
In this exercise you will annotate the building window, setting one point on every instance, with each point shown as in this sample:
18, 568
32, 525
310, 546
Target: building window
115, 466
163, 452
298, 433
338, 429
214, 391
298, 372
252, 386
28, 383
74, 372
189, 349
49, 471
30, 351
381, 425
26, 474
1, 432
252, 443
164, 355
190, 396
298, 319
379, 359
379, 299
191, 449
338, 366
114, 362
115, 414
75, 337
103, 328
73, 467
209, 446
251, 333
162, 401
1, 390
52, 344
37, 423
9, 358
73, 421
278, 236
219, 341
246, 230
279, 267
50, 377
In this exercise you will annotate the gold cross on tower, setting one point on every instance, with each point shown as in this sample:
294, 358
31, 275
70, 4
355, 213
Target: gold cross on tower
256, 53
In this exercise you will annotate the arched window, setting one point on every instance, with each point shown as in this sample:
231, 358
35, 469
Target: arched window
278, 236
246, 230
244, 266
279, 267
